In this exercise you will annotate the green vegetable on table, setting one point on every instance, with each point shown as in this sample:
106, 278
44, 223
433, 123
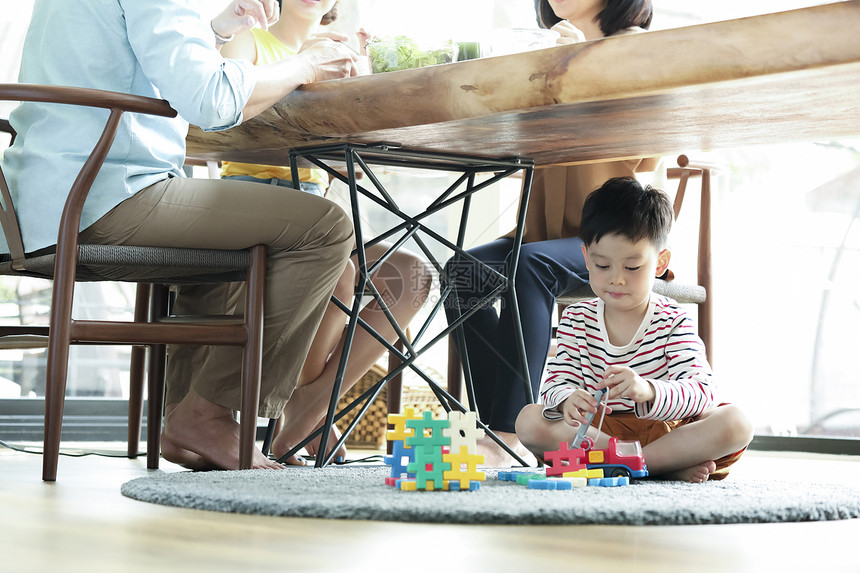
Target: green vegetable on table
401, 53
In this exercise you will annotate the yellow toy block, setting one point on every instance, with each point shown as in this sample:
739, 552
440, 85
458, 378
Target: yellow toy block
576, 482
400, 431
462, 474
588, 474
595, 457
408, 485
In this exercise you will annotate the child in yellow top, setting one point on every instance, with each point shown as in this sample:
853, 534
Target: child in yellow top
407, 278
268, 49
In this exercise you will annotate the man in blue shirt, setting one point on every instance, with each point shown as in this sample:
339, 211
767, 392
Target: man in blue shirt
170, 50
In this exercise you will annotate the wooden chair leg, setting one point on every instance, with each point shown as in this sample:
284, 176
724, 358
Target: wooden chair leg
156, 381
455, 370
57, 372
137, 370
704, 265
395, 387
252, 359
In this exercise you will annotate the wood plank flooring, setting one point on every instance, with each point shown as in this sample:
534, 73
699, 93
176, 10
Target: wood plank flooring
83, 523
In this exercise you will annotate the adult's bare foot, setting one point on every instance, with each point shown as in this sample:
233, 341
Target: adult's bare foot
695, 474
205, 429
291, 435
496, 457
333, 436
303, 414
180, 456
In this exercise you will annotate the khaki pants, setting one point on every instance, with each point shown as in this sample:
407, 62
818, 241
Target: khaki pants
308, 238
627, 427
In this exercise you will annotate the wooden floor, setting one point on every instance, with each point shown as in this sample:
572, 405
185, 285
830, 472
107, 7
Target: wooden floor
83, 523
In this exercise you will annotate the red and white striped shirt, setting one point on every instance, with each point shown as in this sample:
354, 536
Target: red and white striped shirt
664, 351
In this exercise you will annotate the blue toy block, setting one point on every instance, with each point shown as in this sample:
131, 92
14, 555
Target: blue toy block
609, 482
511, 475
541, 484
400, 458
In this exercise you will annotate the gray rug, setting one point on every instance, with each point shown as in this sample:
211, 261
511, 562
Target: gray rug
345, 492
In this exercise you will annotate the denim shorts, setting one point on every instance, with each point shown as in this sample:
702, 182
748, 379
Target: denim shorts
306, 186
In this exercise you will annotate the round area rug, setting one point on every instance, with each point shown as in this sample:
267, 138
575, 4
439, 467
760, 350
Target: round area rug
344, 492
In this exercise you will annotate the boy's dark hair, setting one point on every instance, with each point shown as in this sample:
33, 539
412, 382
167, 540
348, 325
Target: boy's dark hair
622, 206
616, 15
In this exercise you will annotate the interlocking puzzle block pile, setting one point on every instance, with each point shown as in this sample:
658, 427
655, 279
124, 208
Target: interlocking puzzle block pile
433, 454
579, 467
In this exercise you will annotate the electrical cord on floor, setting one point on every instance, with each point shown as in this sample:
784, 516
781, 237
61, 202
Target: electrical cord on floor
375, 458
366, 459
82, 453
67, 453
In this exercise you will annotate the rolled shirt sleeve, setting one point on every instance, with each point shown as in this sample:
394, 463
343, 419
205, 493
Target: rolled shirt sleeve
175, 49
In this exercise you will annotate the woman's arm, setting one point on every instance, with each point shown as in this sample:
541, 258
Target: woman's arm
320, 59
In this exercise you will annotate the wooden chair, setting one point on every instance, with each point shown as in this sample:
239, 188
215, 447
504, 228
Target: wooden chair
152, 268
700, 293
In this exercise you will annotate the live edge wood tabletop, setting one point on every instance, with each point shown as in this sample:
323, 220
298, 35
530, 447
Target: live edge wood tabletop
782, 77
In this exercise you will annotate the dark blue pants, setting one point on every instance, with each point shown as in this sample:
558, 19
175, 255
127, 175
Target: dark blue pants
546, 269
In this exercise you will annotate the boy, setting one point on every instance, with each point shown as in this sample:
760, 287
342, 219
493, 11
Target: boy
639, 346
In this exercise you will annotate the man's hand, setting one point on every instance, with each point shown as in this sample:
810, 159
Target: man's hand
623, 382
242, 15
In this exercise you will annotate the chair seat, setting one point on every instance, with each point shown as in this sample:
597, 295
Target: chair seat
679, 292
141, 264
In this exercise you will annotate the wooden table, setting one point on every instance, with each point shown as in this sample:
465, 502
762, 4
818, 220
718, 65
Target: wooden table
789, 76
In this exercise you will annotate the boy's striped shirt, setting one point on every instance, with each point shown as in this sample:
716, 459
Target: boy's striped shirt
665, 351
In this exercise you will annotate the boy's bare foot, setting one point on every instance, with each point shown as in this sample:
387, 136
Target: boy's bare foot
200, 431
496, 457
695, 474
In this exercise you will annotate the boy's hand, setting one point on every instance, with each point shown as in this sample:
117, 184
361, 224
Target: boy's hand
623, 382
577, 404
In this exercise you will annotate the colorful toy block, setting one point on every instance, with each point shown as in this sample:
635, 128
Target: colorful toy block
463, 467
563, 460
399, 460
463, 431
401, 431
422, 450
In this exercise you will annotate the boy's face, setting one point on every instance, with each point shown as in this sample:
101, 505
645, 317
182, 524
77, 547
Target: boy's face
622, 272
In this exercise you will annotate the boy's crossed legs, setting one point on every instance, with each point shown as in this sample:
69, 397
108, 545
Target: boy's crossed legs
693, 450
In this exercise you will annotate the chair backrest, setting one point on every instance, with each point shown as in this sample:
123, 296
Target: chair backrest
117, 103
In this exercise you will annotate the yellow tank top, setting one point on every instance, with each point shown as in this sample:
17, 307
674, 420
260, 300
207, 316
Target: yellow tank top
269, 51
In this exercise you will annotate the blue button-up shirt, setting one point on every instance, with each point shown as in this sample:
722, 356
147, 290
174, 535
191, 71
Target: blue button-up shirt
157, 48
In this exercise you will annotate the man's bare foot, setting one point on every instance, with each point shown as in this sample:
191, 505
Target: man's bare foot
173, 453
198, 427
695, 474
496, 457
